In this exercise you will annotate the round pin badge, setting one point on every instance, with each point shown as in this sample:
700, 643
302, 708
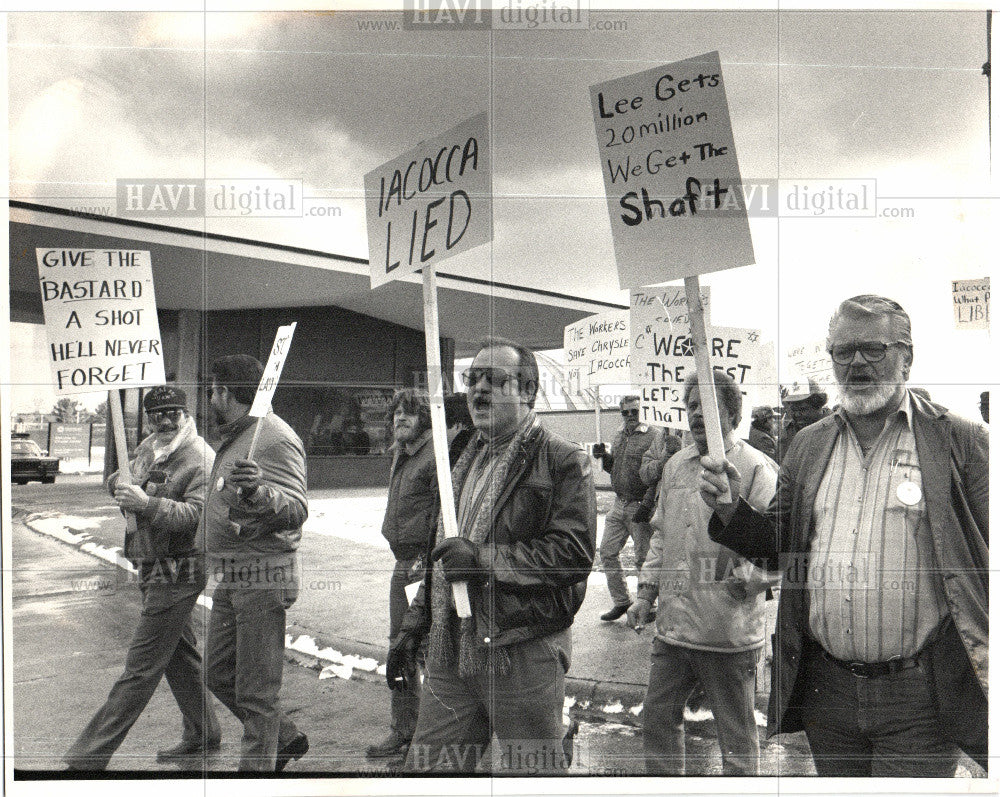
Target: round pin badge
909, 493
220, 484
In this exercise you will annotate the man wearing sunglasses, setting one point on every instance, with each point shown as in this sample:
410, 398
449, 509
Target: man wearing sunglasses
624, 463
880, 526
527, 520
169, 480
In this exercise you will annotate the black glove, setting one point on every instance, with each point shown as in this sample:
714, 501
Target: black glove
401, 663
643, 514
460, 560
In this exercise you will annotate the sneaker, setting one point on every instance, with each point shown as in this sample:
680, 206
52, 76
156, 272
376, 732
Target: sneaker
616, 612
292, 751
188, 749
391, 745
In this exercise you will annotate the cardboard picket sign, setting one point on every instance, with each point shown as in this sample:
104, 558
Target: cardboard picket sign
429, 204
102, 329
269, 379
971, 302
675, 195
596, 350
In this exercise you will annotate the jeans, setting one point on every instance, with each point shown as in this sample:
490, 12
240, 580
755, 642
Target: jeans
245, 657
403, 705
872, 727
729, 681
618, 527
458, 716
163, 644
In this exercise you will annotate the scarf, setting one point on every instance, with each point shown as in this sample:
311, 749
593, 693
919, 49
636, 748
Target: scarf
471, 655
158, 447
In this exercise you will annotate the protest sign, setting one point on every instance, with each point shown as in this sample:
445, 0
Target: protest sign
100, 319
272, 371
444, 183
596, 350
809, 361
675, 195
430, 203
661, 305
667, 357
971, 300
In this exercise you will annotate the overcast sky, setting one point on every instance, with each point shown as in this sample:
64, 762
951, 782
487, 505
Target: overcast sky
891, 96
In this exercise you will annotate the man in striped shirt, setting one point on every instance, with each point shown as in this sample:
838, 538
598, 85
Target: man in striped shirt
880, 524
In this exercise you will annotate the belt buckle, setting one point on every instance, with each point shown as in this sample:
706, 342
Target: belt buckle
857, 669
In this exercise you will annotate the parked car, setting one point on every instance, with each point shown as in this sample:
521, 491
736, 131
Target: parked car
28, 462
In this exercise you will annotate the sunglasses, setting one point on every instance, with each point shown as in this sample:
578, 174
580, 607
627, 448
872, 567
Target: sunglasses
495, 377
871, 351
155, 415
633, 413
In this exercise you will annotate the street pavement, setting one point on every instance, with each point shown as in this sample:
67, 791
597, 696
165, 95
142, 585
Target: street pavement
74, 615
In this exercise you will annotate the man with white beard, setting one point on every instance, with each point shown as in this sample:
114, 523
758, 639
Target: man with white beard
880, 526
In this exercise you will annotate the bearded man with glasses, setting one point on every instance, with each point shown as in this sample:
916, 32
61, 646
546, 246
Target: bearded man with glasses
880, 525
623, 462
169, 481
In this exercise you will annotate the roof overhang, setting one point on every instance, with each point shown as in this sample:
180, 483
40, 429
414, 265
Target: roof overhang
194, 270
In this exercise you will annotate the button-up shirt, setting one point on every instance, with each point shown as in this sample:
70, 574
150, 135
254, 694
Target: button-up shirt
875, 589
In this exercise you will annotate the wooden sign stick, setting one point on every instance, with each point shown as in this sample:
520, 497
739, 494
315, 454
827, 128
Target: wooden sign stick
256, 437
435, 389
121, 449
597, 411
706, 382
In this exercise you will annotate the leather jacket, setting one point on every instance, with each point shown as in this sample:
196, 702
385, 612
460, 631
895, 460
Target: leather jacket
540, 550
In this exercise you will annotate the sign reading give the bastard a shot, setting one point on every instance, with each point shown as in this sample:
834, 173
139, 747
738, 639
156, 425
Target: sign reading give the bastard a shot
673, 183
430, 203
100, 319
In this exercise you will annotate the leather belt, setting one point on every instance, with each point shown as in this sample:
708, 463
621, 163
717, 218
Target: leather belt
863, 669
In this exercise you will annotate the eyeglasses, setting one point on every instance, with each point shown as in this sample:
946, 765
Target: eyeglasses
871, 351
632, 413
155, 415
495, 377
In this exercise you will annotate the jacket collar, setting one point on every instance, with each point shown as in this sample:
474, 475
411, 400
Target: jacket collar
411, 447
230, 431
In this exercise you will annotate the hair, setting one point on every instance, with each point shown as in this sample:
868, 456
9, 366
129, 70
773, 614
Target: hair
726, 388
456, 410
527, 365
413, 402
868, 305
625, 400
240, 373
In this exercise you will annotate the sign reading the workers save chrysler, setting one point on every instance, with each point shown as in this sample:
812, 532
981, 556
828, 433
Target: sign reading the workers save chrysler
100, 319
430, 203
675, 196
596, 350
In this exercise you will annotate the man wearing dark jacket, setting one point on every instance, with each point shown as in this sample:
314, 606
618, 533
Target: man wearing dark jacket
880, 525
624, 463
410, 521
169, 475
250, 532
527, 525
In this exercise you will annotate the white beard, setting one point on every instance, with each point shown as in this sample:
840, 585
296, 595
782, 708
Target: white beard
868, 404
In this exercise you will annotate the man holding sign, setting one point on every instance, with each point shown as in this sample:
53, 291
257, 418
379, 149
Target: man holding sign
527, 527
881, 526
251, 529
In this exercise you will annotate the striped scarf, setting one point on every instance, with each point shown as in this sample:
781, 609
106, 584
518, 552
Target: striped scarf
471, 654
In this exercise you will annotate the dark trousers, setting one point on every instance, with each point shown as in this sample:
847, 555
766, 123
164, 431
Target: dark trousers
403, 704
873, 727
245, 659
458, 716
163, 644
729, 680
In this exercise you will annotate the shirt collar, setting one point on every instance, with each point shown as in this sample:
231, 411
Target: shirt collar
905, 409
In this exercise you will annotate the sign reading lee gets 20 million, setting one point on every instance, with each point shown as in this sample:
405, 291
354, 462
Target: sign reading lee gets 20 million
675, 196
430, 203
100, 319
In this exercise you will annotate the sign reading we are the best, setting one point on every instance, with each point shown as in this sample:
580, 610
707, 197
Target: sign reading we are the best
100, 319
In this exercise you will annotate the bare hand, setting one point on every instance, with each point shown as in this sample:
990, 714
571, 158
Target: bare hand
638, 614
716, 476
131, 498
246, 475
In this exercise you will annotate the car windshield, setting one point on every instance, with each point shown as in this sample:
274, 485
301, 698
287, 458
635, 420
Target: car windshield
25, 448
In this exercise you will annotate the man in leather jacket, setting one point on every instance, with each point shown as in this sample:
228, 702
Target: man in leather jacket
526, 543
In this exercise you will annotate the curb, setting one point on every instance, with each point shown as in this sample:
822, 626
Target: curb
347, 659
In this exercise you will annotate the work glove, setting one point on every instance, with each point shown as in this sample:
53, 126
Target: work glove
460, 560
131, 498
246, 476
638, 614
643, 514
401, 663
